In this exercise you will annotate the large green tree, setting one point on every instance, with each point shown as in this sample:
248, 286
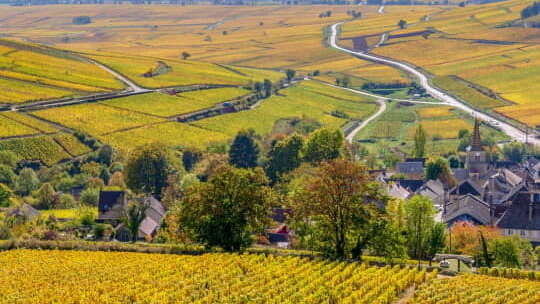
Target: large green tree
229, 209
46, 197
284, 156
244, 151
148, 168
334, 206
420, 222
26, 182
323, 145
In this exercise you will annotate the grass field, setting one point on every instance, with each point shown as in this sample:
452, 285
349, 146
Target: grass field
55, 276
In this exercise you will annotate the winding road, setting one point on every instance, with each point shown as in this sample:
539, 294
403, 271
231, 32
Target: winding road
132, 87
382, 108
445, 99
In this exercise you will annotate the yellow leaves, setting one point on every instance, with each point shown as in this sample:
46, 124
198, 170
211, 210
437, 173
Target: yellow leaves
478, 289
112, 277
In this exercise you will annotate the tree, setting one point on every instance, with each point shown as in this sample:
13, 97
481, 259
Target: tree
134, 216
402, 24
81, 20
26, 182
7, 176
227, 210
46, 197
290, 74
117, 180
190, 157
147, 169
5, 195
90, 196
463, 133
486, 255
258, 88
105, 155
437, 168
8, 158
419, 142
185, 55
515, 151
336, 203
323, 145
437, 240
420, 221
92, 169
284, 156
244, 151
464, 238
506, 252
454, 161
267, 86
105, 175
387, 240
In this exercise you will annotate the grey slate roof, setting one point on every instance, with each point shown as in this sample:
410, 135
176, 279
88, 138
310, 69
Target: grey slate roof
433, 189
111, 205
397, 191
25, 210
154, 216
468, 205
517, 216
414, 167
460, 174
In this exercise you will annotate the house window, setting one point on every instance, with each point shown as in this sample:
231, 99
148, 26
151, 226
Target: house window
509, 232
523, 232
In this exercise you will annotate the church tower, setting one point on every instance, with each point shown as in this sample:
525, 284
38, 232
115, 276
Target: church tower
477, 161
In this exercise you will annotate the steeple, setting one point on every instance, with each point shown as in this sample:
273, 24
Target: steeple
476, 144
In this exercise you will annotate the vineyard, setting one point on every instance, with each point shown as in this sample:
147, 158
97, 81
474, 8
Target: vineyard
42, 148
396, 127
182, 72
170, 133
96, 119
478, 289
29, 73
57, 276
307, 99
473, 52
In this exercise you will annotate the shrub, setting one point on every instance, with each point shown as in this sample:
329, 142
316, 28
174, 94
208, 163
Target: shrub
81, 20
